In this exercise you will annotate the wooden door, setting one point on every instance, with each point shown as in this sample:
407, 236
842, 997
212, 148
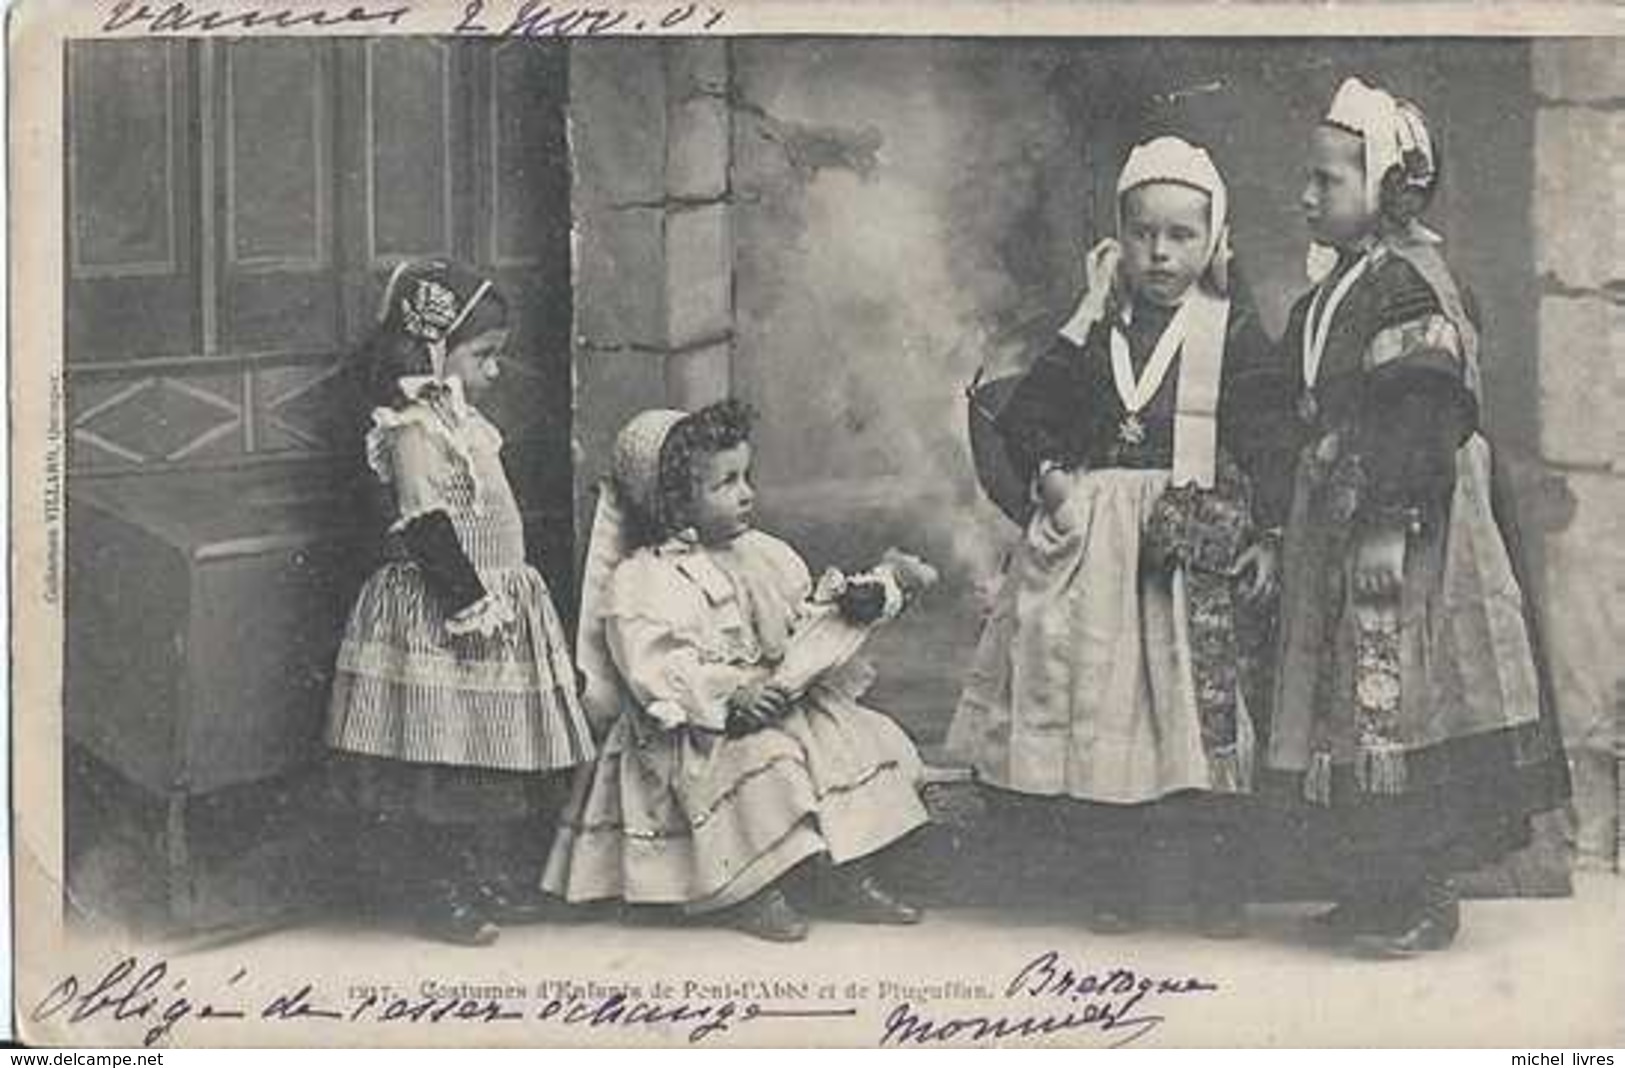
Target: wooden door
234, 208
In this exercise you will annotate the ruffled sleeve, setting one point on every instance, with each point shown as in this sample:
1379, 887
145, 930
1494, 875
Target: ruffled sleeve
438, 447
654, 630
403, 452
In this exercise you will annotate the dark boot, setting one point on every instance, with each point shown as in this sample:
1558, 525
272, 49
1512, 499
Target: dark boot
510, 879
1221, 871
388, 866
1352, 915
1221, 896
854, 893
456, 915
1430, 920
1119, 902
767, 915
454, 909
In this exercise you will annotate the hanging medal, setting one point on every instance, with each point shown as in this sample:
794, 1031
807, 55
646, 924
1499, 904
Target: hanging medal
1317, 328
1136, 393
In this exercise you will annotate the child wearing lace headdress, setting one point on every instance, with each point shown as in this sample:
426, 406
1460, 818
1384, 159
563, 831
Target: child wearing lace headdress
454, 691
734, 744
1409, 715
1106, 691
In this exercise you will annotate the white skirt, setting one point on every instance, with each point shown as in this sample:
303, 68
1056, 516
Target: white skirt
1082, 681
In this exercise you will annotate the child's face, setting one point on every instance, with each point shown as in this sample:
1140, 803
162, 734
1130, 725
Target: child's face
1334, 196
1165, 240
723, 501
477, 361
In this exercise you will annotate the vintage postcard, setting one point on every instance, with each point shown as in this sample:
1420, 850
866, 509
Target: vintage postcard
773, 524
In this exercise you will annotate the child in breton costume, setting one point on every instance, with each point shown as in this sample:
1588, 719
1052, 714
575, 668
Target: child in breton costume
1408, 710
1108, 674
454, 695
735, 748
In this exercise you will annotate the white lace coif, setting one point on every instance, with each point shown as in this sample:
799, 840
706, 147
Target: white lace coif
636, 460
1389, 129
1173, 159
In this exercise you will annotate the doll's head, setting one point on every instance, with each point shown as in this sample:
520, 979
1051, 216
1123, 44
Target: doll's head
437, 319
1373, 167
688, 474
1171, 205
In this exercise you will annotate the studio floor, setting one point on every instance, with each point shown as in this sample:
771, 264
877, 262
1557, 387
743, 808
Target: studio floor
1531, 973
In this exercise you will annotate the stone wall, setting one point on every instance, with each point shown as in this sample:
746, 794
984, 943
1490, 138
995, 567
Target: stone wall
1579, 179
649, 138
842, 231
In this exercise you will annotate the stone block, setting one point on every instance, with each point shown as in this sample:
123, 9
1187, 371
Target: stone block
618, 115
699, 275
620, 284
1616, 349
1576, 375
696, 65
697, 377
1579, 69
697, 147
1576, 238
1582, 567
610, 388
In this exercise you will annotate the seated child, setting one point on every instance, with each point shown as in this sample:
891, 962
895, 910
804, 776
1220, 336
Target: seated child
718, 775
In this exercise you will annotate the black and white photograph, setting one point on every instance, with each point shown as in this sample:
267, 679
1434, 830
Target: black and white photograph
665, 526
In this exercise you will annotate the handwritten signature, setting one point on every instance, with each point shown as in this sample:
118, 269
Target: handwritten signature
1114, 1002
156, 999
529, 18
1119, 1004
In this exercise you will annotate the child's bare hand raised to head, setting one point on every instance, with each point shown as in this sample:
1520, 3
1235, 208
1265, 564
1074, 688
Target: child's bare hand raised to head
1100, 268
1139, 430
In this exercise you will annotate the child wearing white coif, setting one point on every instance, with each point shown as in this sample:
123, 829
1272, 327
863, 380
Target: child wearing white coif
1408, 716
1107, 685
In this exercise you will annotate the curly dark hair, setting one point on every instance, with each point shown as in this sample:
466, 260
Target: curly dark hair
390, 352
712, 429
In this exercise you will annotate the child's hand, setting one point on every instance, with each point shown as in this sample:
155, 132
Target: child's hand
753, 707
772, 703
1100, 268
1099, 273
1379, 564
1053, 489
1257, 569
742, 721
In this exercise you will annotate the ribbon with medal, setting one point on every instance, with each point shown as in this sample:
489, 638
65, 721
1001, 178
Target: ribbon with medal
1317, 329
1136, 391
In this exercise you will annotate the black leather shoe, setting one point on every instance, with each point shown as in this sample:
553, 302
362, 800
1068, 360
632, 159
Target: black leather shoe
862, 899
1222, 919
512, 904
1346, 919
457, 917
1430, 924
768, 916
